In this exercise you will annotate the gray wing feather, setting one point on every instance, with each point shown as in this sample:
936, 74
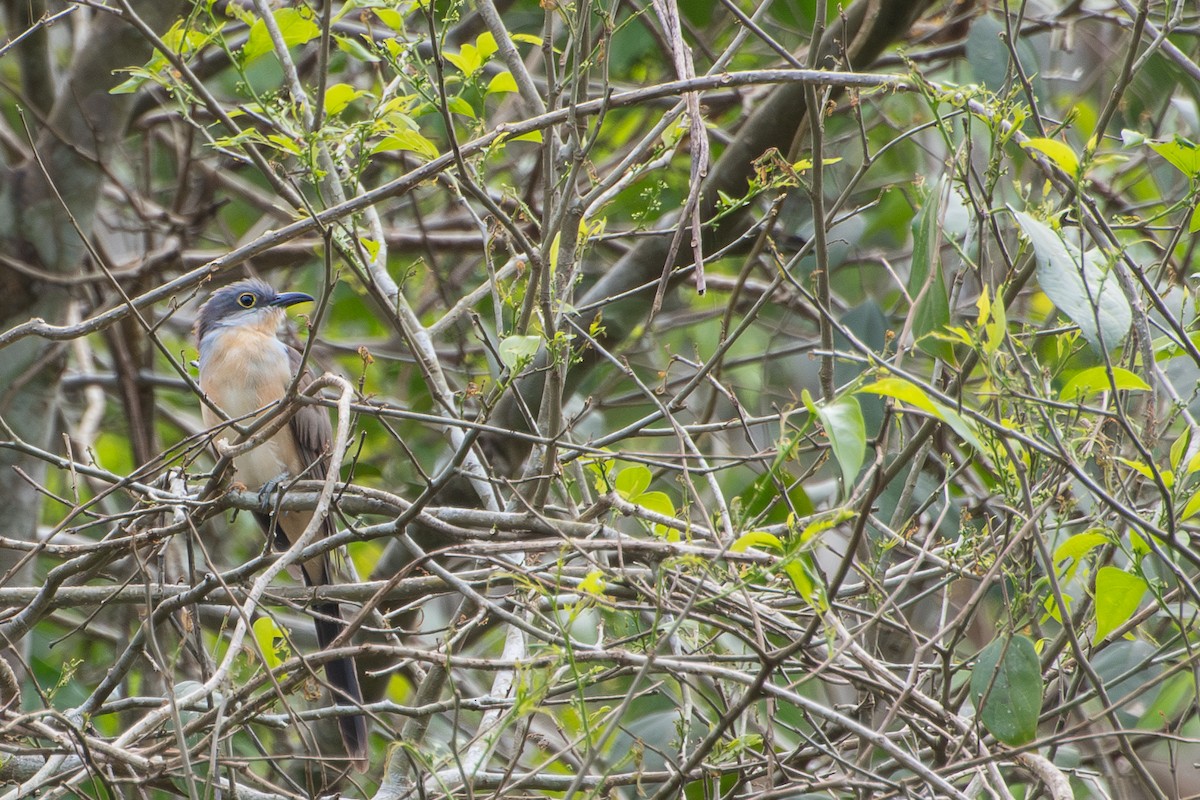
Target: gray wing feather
311, 428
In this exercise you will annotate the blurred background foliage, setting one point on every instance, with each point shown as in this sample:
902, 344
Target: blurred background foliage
900, 505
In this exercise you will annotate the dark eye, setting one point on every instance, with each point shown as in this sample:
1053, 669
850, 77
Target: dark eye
246, 300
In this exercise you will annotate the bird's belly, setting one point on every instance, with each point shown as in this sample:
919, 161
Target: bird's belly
248, 382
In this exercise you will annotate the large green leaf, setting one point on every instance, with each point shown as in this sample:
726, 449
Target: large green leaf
1006, 686
843, 423
926, 284
1118, 595
296, 26
1097, 379
1079, 286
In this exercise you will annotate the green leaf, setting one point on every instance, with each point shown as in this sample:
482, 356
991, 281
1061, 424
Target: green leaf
467, 60
1181, 153
843, 423
913, 395
338, 96
759, 539
295, 25
632, 481
1079, 286
527, 38
1096, 380
1179, 447
460, 106
802, 573
1118, 595
271, 641
825, 522
502, 82
356, 50
532, 136
410, 141
992, 320
1191, 508
593, 583
659, 503
516, 351
1058, 152
926, 285
485, 43
1006, 685
1076, 547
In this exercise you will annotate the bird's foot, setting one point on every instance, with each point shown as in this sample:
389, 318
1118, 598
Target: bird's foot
268, 489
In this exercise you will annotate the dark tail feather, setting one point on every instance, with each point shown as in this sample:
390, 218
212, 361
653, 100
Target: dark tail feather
343, 677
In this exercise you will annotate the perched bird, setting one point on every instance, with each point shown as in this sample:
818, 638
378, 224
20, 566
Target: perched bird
244, 367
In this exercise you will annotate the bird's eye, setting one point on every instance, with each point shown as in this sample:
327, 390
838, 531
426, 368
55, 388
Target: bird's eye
246, 300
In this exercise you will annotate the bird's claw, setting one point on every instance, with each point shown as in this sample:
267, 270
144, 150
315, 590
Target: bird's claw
266, 492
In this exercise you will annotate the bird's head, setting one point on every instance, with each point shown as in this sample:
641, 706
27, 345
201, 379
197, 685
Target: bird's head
249, 302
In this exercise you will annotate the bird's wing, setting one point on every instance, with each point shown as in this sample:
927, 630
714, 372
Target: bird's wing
311, 428
313, 434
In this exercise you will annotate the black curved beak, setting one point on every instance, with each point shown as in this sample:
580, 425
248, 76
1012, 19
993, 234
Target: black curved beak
285, 299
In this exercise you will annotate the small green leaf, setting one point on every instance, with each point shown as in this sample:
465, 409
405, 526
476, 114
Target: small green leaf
295, 25
502, 82
271, 641
532, 136
410, 141
843, 423
527, 38
593, 583
467, 60
1058, 152
1181, 153
338, 96
632, 481
1118, 595
1191, 508
1076, 547
485, 43
1006, 685
518, 350
759, 539
802, 573
913, 395
659, 503
460, 106
1179, 447
1096, 379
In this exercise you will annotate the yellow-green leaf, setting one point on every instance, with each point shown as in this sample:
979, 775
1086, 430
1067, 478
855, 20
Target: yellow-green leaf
758, 539
467, 59
485, 44
502, 82
296, 26
1118, 595
271, 641
593, 583
1191, 508
338, 96
1076, 547
1096, 379
632, 481
1058, 152
410, 141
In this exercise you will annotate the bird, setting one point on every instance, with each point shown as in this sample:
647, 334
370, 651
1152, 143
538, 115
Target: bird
245, 368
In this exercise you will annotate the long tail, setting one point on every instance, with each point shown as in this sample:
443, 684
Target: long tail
343, 677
